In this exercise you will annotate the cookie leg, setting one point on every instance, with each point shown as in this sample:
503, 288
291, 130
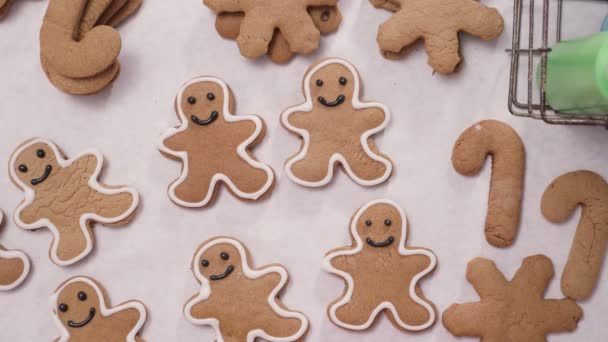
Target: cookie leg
283, 327
313, 168
467, 319
364, 167
72, 240
443, 51
193, 189
11, 270
247, 178
410, 312
111, 206
301, 33
356, 313
256, 34
398, 32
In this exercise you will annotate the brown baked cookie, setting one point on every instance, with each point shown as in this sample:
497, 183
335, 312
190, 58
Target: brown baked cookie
14, 267
82, 312
64, 195
115, 7
124, 13
513, 310
336, 128
262, 18
499, 140
240, 302
93, 11
81, 86
380, 272
588, 250
437, 23
214, 146
5, 5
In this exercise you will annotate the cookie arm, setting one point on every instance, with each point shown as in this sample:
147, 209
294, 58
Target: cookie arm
481, 21
466, 319
202, 309
88, 163
343, 263
485, 277
371, 117
271, 280
562, 315
534, 274
219, 6
299, 119
30, 214
176, 142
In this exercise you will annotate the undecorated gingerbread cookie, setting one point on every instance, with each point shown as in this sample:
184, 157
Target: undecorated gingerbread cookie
380, 272
65, 196
14, 267
241, 303
336, 128
214, 146
82, 312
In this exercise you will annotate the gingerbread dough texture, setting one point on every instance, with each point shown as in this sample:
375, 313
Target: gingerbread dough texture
14, 267
214, 146
512, 311
65, 196
336, 129
437, 23
82, 312
380, 272
240, 302
588, 250
499, 140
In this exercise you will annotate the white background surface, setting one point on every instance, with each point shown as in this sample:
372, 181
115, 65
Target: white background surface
169, 42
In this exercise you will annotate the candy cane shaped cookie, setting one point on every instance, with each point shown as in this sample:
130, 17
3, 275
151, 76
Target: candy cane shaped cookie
559, 201
499, 140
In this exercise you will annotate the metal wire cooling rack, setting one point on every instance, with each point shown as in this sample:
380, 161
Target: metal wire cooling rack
534, 105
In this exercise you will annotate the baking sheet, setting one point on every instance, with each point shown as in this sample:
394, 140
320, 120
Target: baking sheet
169, 42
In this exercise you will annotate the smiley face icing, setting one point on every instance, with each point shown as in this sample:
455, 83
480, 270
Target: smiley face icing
380, 273
14, 267
64, 195
239, 302
214, 146
81, 311
336, 129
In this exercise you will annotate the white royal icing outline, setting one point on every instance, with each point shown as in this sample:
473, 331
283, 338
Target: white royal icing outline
384, 305
336, 157
241, 149
252, 274
6, 254
105, 311
93, 182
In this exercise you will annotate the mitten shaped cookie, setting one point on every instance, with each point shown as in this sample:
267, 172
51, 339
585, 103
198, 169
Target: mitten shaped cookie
64, 195
438, 23
336, 129
241, 303
512, 311
14, 267
82, 312
214, 146
380, 272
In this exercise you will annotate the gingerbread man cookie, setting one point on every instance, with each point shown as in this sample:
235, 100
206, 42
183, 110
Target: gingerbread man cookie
14, 267
380, 272
82, 312
239, 302
336, 129
64, 195
214, 146
512, 311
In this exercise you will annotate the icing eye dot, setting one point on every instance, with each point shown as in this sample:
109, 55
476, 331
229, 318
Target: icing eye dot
63, 307
224, 256
368, 223
82, 296
205, 263
319, 83
343, 80
388, 222
211, 96
325, 16
192, 100
22, 168
40, 153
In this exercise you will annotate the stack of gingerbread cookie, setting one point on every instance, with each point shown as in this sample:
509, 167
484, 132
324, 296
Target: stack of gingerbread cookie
79, 46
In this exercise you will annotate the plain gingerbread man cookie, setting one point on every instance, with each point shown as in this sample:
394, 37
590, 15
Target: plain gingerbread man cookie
380, 272
14, 267
214, 146
82, 313
64, 195
336, 129
239, 302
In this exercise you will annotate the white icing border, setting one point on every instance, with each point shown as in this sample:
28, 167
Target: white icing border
336, 157
5, 254
105, 311
241, 149
93, 183
384, 305
249, 273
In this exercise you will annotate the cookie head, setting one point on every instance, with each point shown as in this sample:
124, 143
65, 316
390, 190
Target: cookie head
220, 262
202, 103
380, 226
77, 305
35, 164
332, 85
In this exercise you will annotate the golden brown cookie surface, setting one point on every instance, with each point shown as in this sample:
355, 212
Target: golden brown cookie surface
14, 266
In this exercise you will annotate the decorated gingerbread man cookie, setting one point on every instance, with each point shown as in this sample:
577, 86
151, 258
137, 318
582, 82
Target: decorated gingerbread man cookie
239, 302
14, 267
82, 313
64, 195
380, 273
336, 129
214, 146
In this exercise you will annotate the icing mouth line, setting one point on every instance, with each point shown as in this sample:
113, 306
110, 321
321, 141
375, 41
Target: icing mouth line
229, 270
83, 323
47, 172
339, 100
384, 243
214, 115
